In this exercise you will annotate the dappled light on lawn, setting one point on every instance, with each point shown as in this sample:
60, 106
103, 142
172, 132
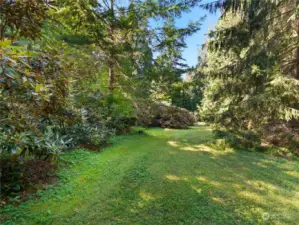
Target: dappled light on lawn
166, 177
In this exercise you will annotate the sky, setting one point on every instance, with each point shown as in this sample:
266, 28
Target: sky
195, 41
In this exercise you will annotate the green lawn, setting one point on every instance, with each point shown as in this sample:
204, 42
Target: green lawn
167, 177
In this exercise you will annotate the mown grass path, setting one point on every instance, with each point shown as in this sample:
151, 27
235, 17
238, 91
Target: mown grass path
167, 177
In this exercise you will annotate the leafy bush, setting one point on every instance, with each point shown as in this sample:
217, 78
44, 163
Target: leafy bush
122, 125
81, 134
22, 145
18, 176
240, 139
19, 149
160, 115
220, 144
282, 134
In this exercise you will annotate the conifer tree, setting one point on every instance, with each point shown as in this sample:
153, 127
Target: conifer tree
252, 64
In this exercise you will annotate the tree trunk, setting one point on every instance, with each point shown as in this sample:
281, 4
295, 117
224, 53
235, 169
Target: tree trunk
297, 50
111, 87
297, 54
111, 64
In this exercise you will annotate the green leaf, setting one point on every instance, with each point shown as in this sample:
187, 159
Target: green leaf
5, 43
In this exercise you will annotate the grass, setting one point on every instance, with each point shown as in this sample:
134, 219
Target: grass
166, 177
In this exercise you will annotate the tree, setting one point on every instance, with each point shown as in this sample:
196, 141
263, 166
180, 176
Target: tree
115, 30
251, 64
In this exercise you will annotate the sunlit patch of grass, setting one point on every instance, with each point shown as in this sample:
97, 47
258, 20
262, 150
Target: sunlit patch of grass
175, 178
198, 190
167, 177
146, 196
172, 177
294, 174
203, 147
173, 143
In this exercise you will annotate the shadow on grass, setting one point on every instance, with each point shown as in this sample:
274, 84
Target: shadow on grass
167, 176
196, 184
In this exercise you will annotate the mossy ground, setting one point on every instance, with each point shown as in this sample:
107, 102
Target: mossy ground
166, 177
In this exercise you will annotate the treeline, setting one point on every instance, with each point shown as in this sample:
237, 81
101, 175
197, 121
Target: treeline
73, 73
251, 68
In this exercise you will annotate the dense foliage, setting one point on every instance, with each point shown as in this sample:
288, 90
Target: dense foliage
161, 115
251, 67
71, 73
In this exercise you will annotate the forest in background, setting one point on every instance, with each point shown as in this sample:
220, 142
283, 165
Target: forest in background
76, 73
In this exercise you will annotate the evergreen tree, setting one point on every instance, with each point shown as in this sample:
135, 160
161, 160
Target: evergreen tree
252, 64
